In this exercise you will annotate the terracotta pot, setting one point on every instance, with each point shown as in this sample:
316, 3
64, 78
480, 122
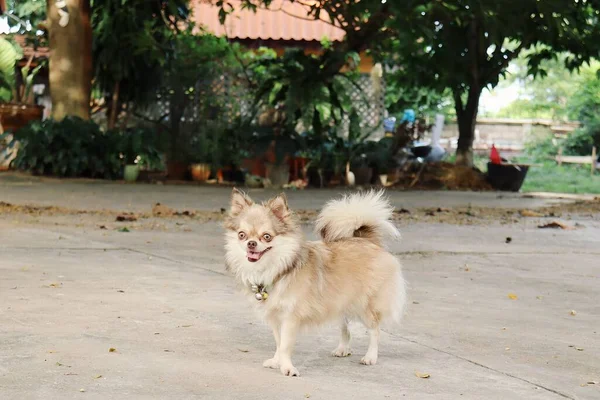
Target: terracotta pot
15, 116
255, 166
200, 172
177, 170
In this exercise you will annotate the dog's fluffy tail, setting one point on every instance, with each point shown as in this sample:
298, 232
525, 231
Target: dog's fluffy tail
366, 215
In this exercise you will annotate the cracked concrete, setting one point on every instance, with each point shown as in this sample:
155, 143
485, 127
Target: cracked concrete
70, 291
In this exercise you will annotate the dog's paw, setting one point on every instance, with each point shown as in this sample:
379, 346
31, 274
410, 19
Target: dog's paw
271, 363
289, 370
368, 360
341, 352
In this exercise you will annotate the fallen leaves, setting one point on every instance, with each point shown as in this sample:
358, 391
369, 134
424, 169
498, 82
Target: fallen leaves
530, 213
58, 364
97, 376
112, 350
422, 375
126, 218
243, 350
573, 312
556, 225
513, 296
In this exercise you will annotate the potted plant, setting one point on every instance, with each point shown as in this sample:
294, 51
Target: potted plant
352, 147
201, 154
17, 108
137, 144
16, 103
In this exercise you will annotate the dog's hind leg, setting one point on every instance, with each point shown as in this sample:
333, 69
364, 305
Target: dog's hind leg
371, 357
274, 362
371, 321
343, 349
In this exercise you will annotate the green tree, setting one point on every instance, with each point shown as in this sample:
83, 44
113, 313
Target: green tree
467, 45
540, 97
132, 38
463, 46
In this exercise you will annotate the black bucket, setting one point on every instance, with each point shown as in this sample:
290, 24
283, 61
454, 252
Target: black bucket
507, 177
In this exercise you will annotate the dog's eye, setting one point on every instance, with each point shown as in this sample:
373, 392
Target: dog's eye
241, 235
267, 237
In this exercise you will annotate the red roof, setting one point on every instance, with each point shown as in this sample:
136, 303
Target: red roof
282, 21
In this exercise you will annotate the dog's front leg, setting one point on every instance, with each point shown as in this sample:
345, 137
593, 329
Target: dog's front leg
289, 329
274, 362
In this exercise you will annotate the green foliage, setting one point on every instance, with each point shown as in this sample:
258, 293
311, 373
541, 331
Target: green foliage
25, 15
541, 148
69, 148
549, 177
304, 91
9, 55
132, 45
549, 97
137, 145
192, 84
299, 84
77, 148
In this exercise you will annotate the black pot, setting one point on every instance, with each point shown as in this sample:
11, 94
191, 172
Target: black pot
421, 151
362, 175
507, 177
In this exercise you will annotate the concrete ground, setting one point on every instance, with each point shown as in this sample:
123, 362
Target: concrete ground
73, 287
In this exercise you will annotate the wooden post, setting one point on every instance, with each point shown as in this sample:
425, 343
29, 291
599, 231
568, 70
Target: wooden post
593, 160
559, 157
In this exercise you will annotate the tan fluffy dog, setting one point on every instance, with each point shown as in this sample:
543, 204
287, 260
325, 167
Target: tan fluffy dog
295, 283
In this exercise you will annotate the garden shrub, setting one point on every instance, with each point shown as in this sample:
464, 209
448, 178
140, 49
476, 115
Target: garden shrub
74, 147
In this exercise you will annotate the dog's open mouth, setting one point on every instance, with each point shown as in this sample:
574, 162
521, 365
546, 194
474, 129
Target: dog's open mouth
254, 256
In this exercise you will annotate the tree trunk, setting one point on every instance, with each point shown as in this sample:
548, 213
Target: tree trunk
70, 59
467, 119
114, 106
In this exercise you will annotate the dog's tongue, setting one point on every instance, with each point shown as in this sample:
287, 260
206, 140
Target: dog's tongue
253, 255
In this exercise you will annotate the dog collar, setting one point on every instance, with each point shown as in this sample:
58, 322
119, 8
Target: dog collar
260, 292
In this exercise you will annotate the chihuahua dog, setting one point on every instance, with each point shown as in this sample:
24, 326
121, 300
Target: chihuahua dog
347, 275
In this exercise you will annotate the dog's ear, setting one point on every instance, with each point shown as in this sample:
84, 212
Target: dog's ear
239, 201
279, 207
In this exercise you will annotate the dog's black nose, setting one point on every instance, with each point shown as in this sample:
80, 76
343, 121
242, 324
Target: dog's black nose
252, 244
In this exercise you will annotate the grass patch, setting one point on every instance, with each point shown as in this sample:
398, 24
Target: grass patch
564, 179
549, 177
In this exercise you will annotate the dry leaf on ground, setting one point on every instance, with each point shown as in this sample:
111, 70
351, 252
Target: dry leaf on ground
422, 375
530, 213
112, 350
512, 296
556, 225
126, 218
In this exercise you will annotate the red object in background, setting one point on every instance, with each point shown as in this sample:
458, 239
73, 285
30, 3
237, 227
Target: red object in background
495, 156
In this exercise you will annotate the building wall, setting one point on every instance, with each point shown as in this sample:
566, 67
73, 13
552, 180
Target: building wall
506, 134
